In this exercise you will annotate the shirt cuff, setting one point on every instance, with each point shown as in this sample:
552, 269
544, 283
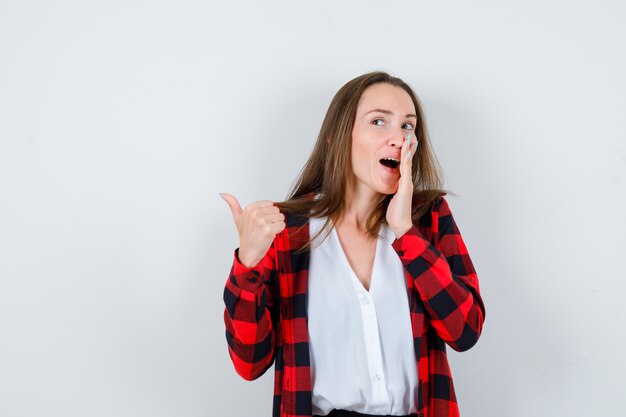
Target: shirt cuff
248, 279
410, 245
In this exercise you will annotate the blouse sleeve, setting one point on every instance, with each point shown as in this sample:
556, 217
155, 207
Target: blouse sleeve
249, 301
445, 279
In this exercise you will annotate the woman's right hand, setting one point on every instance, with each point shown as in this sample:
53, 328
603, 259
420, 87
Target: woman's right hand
257, 225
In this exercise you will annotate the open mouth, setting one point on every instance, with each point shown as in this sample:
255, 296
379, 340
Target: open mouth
390, 162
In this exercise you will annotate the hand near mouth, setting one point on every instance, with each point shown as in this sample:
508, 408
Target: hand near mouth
399, 210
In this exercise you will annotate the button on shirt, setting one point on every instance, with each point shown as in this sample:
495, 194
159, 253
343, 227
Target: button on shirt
361, 344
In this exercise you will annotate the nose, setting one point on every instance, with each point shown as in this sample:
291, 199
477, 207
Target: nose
396, 139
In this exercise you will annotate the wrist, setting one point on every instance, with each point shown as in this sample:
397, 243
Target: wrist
399, 232
245, 260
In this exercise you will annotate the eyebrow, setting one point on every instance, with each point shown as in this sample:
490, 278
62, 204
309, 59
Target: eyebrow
388, 112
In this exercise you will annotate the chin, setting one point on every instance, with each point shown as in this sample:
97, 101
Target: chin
389, 190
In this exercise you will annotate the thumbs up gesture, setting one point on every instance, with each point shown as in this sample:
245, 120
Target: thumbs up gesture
257, 225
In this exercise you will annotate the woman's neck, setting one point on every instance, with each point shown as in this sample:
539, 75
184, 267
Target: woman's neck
358, 205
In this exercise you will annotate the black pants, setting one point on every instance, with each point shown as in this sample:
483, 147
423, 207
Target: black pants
346, 413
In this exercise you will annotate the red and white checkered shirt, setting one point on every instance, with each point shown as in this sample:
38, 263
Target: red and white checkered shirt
266, 311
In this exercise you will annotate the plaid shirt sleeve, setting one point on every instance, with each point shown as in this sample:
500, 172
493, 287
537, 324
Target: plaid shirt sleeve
445, 279
249, 300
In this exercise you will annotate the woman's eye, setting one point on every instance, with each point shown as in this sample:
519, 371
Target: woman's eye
377, 120
410, 126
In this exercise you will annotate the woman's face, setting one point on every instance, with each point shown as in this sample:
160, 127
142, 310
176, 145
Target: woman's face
384, 117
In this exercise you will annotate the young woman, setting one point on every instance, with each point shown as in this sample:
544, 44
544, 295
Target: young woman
356, 323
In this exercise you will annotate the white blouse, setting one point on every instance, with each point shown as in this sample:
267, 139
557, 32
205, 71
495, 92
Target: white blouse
360, 342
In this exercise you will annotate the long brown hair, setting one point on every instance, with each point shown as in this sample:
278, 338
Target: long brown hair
326, 172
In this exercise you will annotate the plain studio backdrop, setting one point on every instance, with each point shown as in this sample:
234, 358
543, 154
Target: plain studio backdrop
120, 122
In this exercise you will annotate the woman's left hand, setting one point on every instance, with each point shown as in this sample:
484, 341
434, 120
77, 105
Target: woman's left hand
399, 210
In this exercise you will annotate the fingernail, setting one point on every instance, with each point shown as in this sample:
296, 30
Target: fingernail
409, 154
409, 138
222, 196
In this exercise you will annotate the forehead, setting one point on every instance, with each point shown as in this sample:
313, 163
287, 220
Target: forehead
385, 96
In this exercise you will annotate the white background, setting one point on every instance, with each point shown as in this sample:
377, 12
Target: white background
121, 121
